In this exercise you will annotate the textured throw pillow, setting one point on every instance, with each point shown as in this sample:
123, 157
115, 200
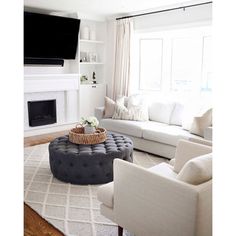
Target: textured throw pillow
197, 170
137, 113
200, 123
109, 107
122, 100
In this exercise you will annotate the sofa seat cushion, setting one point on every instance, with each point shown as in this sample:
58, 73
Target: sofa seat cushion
133, 128
169, 134
164, 169
106, 194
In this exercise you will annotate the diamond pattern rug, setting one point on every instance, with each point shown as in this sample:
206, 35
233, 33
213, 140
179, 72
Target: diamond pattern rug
73, 209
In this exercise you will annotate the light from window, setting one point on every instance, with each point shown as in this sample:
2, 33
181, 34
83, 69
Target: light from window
150, 64
186, 63
206, 64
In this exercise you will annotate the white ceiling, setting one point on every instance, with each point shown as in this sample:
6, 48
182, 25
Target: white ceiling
104, 8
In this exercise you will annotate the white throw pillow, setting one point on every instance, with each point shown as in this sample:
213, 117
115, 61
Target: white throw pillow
122, 99
200, 123
177, 114
136, 100
137, 113
197, 170
161, 111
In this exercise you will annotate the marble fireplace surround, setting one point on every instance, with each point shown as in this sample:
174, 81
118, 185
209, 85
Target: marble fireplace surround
62, 87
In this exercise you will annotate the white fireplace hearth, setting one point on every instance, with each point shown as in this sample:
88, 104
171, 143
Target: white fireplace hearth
64, 88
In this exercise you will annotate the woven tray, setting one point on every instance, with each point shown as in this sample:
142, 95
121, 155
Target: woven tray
77, 135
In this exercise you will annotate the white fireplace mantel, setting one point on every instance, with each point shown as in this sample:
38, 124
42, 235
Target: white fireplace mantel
62, 87
50, 82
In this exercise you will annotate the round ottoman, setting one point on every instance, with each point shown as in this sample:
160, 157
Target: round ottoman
88, 164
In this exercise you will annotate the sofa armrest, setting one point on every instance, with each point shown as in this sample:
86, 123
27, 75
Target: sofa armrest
151, 204
99, 112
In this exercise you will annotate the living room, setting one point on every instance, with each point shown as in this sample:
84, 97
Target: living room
118, 117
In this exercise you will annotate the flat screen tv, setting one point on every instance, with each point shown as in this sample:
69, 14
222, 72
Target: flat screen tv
50, 37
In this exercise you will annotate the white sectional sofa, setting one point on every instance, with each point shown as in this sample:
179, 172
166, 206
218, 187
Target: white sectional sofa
159, 135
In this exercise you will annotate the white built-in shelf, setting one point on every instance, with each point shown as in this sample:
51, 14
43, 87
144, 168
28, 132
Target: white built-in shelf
91, 84
91, 63
91, 41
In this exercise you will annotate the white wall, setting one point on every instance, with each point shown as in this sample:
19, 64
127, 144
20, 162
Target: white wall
192, 15
110, 55
199, 15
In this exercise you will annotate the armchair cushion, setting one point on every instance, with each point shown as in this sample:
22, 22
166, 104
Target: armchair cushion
106, 194
186, 151
197, 170
164, 169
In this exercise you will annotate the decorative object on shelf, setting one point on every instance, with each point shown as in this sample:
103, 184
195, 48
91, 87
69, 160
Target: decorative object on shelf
85, 33
83, 57
92, 57
77, 135
92, 35
90, 124
83, 79
94, 78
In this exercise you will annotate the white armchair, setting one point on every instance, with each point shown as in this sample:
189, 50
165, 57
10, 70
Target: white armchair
154, 202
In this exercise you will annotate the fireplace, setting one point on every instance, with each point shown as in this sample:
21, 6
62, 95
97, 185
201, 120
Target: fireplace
42, 112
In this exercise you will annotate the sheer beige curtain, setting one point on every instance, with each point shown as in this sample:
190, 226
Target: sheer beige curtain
121, 78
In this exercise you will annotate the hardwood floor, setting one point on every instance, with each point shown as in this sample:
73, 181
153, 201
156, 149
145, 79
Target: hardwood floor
35, 225
44, 138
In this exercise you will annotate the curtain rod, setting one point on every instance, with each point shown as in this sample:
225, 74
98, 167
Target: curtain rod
170, 9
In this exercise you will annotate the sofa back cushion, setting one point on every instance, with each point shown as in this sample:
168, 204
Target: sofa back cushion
177, 114
161, 111
197, 170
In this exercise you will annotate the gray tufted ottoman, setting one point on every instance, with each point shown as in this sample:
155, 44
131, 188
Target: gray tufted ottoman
88, 164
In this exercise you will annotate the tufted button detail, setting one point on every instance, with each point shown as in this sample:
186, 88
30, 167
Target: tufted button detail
88, 164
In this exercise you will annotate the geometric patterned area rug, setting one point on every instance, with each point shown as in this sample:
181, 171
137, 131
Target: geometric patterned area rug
73, 209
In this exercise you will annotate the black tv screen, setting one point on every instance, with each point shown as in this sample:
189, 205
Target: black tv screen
50, 37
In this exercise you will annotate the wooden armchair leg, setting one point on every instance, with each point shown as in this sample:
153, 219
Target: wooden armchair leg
120, 231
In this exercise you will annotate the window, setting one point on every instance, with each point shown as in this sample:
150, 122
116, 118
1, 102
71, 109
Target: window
186, 62
206, 65
150, 64
172, 61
